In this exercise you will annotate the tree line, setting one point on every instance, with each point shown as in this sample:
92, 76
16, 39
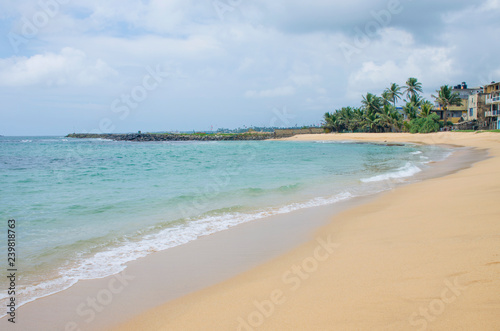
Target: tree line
379, 113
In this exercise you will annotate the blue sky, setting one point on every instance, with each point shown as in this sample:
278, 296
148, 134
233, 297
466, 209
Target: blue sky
124, 66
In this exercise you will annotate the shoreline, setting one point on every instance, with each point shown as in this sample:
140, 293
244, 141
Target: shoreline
253, 258
380, 271
142, 137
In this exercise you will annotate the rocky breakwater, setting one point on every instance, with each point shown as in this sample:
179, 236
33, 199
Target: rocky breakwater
175, 137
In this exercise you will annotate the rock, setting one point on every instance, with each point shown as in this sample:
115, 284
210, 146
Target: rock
174, 137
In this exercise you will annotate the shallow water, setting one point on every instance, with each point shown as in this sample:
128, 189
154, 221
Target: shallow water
86, 207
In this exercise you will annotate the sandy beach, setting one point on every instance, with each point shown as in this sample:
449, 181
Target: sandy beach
425, 256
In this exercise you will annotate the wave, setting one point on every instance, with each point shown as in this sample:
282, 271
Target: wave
335, 141
290, 188
255, 191
113, 259
99, 139
407, 171
244, 192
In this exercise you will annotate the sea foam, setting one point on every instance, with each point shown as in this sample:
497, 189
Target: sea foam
407, 171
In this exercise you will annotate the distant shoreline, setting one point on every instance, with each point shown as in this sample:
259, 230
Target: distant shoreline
175, 137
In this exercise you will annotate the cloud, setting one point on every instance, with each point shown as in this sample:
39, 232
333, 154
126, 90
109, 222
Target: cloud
299, 17
433, 66
276, 92
69, 67
260, 50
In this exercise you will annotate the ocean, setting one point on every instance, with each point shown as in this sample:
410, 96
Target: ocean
86, 207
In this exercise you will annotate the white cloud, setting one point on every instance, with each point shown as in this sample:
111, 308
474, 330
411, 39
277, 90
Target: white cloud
488, 7
433, 66
304, 79
395, 57
491, 5
69, 67
246, 64
284, 48
276, 92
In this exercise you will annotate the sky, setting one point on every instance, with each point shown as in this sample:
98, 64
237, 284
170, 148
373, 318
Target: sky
163, 65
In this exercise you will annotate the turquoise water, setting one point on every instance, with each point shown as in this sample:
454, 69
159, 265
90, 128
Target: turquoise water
86, 207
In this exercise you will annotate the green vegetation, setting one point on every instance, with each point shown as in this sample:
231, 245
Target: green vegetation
446, 98
379, 114
425, 124
393, 93
372, 117
413, 88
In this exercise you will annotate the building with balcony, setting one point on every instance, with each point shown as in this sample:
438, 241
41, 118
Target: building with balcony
477, 107
492, 101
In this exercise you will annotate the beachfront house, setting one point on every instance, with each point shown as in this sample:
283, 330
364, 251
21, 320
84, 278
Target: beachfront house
492, 100
477, 107
456, 113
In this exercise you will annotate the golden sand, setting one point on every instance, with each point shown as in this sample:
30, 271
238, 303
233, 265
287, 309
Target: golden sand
421, 257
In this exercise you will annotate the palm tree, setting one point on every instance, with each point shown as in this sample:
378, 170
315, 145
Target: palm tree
385, 116
396, 119
426, 109
350, 119
371, 121
417, 100
446, 98
394, 93
411, 110
373, 117
357, 119
332, 122
413, 87
386, 98
390, 118
329, 120
345, 118
372, 103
